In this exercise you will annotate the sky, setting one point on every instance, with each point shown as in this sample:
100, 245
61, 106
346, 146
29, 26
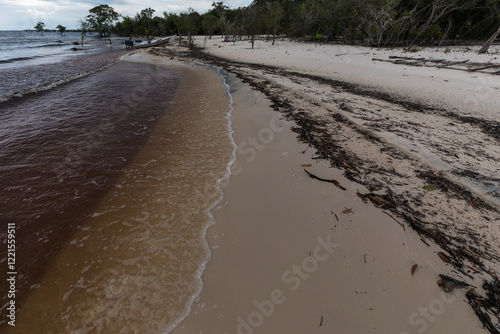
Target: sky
24, 14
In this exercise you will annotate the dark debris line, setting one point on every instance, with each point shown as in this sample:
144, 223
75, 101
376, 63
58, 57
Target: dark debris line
312, 131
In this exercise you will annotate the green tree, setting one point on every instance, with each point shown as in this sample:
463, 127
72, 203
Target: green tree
84, 25
209, 23
144, 20
61, 29
39, 27
159, 26
126, 27
101, 19
251, 22
189, 23
276, 11
221, 11
171, 22
218, 9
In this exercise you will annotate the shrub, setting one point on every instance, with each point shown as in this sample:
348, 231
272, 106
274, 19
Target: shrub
413, 48
318, 38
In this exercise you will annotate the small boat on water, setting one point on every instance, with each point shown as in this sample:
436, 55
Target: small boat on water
154, 42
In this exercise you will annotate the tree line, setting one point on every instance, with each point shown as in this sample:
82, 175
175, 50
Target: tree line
375, 22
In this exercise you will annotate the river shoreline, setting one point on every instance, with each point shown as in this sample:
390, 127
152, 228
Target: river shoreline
342, 124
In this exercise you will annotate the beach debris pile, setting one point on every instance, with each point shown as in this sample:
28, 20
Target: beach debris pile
468, 261
486, 307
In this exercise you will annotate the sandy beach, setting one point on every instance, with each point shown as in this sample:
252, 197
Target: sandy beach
289, 188
250, 167
413, 152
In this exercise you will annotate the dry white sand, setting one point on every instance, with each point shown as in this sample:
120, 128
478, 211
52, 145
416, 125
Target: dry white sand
467, 93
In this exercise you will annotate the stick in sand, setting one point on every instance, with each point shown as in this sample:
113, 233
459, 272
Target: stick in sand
335, 182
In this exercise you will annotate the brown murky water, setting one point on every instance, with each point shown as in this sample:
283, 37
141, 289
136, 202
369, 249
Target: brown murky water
109, 180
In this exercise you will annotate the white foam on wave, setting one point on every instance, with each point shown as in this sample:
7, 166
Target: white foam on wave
208, 211
50, 85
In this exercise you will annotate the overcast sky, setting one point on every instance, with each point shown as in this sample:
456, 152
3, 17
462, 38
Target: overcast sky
24, 14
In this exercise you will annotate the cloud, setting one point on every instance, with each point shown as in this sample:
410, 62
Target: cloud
24, 14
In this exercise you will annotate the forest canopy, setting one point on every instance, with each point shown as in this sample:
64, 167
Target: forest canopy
376, 22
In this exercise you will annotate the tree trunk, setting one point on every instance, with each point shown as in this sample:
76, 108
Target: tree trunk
445, 35
488, 43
